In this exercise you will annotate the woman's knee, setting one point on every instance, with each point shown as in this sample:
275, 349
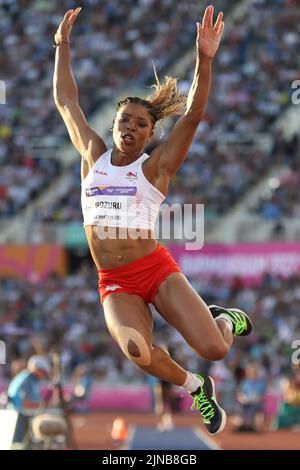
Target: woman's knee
212, 351
134, 346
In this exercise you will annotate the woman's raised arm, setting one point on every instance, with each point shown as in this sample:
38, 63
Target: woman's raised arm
172, 153
88, 143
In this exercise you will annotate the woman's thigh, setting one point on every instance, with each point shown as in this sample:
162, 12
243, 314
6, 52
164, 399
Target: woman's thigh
184, 309
130, 323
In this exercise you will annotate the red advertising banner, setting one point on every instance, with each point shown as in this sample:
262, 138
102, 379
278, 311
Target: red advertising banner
249, 261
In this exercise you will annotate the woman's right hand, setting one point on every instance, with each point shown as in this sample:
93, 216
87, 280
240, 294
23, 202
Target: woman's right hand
64, 30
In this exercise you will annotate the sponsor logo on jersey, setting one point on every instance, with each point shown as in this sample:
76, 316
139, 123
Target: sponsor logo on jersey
101, 172
132, 175
112, 287
111, 191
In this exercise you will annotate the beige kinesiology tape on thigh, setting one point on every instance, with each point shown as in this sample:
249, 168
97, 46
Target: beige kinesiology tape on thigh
127, 334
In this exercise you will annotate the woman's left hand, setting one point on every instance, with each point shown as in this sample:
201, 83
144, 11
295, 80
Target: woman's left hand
209, 35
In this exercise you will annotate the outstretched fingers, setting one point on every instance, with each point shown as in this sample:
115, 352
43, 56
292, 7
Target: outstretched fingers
199, 30
74, 15
218, 23
68, 13
67, 16
70, 16
207, 17
221, 28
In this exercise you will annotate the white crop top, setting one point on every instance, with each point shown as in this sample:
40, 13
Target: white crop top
119, 196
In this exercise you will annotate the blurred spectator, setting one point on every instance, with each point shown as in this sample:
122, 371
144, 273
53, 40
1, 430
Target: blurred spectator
17, 366
250, 395
289, 413
24, 390
24, 393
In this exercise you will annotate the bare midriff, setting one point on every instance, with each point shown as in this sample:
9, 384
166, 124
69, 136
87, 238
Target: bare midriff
114, 252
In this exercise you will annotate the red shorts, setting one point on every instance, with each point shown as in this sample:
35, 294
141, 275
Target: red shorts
142, 277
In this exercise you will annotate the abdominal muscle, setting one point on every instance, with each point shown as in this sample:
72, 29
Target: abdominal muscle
112, 253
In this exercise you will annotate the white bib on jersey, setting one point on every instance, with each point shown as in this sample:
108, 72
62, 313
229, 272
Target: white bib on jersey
119, 196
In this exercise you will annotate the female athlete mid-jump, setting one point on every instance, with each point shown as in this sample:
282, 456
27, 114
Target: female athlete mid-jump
122, 188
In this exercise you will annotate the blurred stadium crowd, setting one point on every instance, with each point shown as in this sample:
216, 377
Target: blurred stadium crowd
114, 44
250, 75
